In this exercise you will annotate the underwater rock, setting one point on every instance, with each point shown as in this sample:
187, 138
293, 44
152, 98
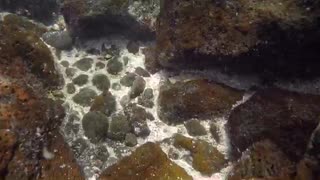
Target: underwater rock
119, 127
146, 99
130, 140
61, 40
84, 97
133, 47
214, 130
262, 160
142, 72
205, 158
102, 153
100, 65
146, 162
137, 117
137, 88
195, 128
84, 64
116, 86
81, 80
269, 38
128, 79
101, 81
65, 64
286, 118
104, 103
70, 72
91, 19
182, 101
7, 142
71, 88
95, 125
114, 66
78, 146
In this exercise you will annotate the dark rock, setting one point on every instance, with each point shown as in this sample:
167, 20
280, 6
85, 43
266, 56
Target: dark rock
182, 101
101, 81
119, 127
151, 62
125, 100
137, 117
91, 19
146, 99
131, 140
140, 129
125, 60
84, 64
36, 9
147, 162
71, 88
272, 41
114, 66
81, 80
148, 93
133, 47
194, 128
58, 39
150, 116
105, 103
128, 79
93, 51
70, 72
286, 118
206, 159
85, 97
142, 72
65, 64
262, 160
137, 87
116, 86
95, 125
100, 65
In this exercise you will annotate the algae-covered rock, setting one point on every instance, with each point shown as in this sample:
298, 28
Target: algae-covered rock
81, 80
195, 128
84, 97
101, 81
119, 127
104, 103
58, 39
182, 101
205, 158
84, 64
147, 162
95, 125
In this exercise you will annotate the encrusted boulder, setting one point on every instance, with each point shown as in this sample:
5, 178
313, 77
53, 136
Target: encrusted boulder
134, 19
147, 162
285, 118
269, 38
182, 101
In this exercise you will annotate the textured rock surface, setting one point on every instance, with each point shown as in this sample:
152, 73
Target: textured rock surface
262, 160
95, 126
87, 18
147, 162
105, 103
84, 97
286, 118
58, 39
205, 158
270, 38
182, 101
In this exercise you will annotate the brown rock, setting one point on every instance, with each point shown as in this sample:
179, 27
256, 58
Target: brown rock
182, 101
205, 158
286, 118
147, 162
264, 37
262, 161
8, 141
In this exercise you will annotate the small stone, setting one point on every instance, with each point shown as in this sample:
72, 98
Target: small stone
102, 153
70, 72
84, 64
194, 128
137, 87
131, 140
116, 86
95, 126
65, 64
81, 80
119, 127
78, 146
128, 79
71, 88
142, 72
101, 81
114, 66
150, 116
214, 130
148, 93
100, 65
105, 103
84, 97
140, 129
58, 39
125, 60
125, 100
133, 47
